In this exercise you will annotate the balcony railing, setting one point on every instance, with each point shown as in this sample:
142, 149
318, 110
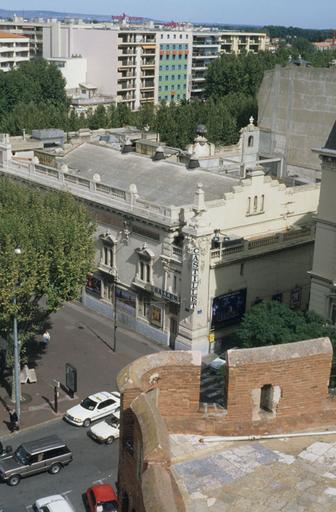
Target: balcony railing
273, 242
91, 191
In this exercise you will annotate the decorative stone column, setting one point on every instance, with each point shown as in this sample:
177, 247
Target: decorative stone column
194, 313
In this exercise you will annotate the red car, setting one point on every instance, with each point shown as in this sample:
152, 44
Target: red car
102, 498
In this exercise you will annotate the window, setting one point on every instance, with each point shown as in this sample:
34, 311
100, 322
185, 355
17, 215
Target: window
250, 141
180, 36
174, 283
241, 272
172, 87
160, 88
184, 86
107, 256
180, 57
173, 67
262, 203
145, 264
145, 271
174, 46
179, 77
174, 36
166, 87
248, 206
167, 67
185, 66
107, 291
168, 36
161, 57
167, 77
173, 77
160, 68
255, 204
179, 66
161, 36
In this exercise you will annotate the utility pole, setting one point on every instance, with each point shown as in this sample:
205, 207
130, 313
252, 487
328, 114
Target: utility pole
115, 314
17, 367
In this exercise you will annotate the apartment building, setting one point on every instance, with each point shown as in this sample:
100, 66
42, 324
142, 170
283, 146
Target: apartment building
31, 29
137, 65
209, 45
14, 49
174, 65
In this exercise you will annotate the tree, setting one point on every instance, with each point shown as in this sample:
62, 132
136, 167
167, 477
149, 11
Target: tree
270, 323
54, 233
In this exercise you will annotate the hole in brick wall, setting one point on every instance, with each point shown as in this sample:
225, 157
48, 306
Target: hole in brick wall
266, 398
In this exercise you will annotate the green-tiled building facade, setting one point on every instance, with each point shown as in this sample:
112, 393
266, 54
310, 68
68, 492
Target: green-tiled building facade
173, 72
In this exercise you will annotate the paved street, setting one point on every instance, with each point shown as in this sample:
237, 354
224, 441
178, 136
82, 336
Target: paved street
92, 463
84, 339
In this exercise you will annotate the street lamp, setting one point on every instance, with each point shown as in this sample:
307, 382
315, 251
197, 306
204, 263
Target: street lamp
17, 251
115, 313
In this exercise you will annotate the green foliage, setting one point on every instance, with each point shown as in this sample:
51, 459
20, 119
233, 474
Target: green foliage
32, 96
54, 233
296, 32
271, 323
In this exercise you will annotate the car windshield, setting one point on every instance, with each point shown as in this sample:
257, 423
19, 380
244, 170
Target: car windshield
108, 506
114, 422
22, 455
89, 404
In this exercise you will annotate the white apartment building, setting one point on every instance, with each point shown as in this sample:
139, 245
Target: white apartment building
209, 45
14, 49
140, 64
31, 29
183, 248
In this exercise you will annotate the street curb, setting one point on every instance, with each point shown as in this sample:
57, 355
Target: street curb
33, 427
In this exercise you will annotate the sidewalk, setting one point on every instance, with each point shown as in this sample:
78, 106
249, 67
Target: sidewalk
82, 338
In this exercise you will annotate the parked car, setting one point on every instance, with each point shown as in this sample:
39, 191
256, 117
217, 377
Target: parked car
102, 498
93, 408
55, 503
45, 454
105, 431
217, 363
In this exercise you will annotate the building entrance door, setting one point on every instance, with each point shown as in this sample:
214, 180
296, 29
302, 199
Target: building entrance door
173, 332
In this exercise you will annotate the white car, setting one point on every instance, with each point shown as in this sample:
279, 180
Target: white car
105, 431
217, 363
55, 503
93, 408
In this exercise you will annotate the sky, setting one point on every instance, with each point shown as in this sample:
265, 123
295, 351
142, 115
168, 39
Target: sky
301, 13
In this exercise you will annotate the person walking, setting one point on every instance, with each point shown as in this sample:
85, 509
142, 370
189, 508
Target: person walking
14, 420
46, 338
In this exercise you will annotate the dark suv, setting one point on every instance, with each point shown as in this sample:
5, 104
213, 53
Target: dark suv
46, 454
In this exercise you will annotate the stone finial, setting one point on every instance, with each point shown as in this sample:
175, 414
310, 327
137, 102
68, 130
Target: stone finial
251, 120
199, 202
133, 189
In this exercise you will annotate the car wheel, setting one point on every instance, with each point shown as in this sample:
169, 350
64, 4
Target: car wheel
109, 440
14, 480
87, 422
55, 468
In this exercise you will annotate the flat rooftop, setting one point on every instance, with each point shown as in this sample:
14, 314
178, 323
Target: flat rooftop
161, 182
288, 474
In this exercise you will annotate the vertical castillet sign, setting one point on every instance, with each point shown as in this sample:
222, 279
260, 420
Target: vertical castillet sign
194, 278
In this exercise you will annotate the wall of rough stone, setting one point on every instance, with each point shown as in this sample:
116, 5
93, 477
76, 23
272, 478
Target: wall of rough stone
299, 105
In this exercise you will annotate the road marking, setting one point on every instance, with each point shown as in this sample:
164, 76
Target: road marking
98, 482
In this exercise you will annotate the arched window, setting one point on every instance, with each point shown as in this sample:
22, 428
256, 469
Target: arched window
255, 204
250, 141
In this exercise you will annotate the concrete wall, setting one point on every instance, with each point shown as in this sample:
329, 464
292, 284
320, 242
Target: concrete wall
300, 103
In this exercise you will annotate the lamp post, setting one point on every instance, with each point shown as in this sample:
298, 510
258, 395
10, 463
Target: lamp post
115, 314
17, 251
